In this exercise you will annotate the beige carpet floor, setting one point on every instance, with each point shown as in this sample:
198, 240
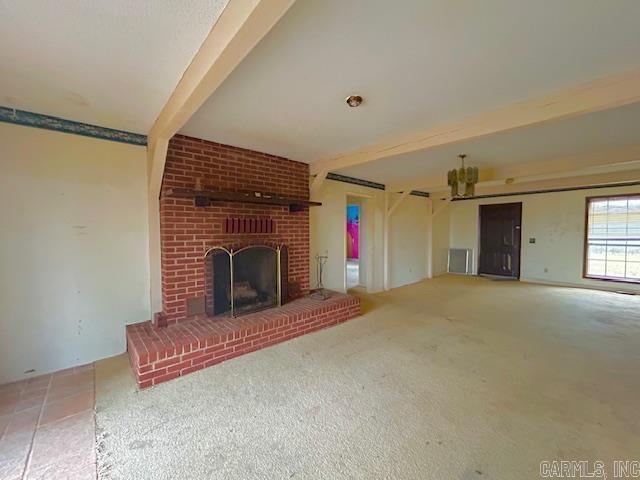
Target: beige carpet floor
452, 378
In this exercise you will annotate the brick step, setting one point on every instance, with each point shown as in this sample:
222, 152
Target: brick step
161, 354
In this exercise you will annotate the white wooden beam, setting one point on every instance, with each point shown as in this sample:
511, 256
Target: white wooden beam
157, 155
241, 25
317, 181
618, 159
398, 201
441, 208
576, 180
601, 94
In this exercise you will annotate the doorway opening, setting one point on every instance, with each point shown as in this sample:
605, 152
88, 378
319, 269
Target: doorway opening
353, 232
500, 239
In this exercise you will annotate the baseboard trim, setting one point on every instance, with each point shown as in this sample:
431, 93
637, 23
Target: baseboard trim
605, 288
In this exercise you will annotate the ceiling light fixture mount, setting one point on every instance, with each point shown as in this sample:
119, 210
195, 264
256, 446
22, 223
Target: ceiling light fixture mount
463, 180
354, 100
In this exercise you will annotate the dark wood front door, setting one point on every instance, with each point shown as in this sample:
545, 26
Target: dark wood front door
500, 239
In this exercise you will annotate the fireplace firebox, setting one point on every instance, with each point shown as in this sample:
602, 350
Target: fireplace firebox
245, 280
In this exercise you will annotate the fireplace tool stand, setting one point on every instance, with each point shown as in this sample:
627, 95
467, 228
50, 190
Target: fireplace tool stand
320, 293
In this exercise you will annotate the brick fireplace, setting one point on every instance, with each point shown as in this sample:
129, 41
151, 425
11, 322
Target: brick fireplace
188, 231
218, 203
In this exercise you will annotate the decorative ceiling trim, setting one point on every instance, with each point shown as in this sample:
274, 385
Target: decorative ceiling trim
47, 122
418, 193
548, 190
354, 181
366, 183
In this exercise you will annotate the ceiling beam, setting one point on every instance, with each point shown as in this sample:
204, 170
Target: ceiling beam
614, 178
618, 159
601, 94
441, 208
241, 25
317, 182
157, 155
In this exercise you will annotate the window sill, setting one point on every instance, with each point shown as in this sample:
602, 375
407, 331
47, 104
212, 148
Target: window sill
612, 279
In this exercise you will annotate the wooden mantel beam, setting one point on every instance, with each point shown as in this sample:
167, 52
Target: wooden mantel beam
604, 93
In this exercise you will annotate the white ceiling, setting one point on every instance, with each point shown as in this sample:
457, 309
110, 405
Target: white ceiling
563, 139
418, 64
111, 63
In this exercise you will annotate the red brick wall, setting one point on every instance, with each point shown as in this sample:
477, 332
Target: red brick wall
187, 231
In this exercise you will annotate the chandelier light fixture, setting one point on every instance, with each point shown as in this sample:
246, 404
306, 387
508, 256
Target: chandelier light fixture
463, 180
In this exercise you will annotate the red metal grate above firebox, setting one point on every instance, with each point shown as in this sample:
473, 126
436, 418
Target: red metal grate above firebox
249, 225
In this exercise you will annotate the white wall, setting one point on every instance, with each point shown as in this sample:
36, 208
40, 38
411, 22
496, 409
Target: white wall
328, 226
73, 248
407, 236
555, 220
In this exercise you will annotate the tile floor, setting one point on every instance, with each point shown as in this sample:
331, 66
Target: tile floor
47, 426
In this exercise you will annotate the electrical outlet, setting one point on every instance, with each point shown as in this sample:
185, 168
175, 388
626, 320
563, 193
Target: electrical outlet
532, 240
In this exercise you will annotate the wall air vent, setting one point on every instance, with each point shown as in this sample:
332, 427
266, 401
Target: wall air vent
249, 225
460, 261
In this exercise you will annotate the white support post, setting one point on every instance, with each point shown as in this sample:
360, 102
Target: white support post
385, 242
157, 153
388, 211
429, 266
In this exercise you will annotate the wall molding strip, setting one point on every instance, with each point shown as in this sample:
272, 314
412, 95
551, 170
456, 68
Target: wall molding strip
354, 181
366, 183
47, 122
419, 193
550, 190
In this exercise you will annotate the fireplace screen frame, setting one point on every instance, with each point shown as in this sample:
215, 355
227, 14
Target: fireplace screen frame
231, 252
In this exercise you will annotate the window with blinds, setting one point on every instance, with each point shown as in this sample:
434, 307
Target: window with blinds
613, 238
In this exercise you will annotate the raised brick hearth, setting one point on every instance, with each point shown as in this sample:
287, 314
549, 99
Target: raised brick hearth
161, 354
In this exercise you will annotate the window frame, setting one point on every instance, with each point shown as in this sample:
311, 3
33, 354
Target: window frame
585, 248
